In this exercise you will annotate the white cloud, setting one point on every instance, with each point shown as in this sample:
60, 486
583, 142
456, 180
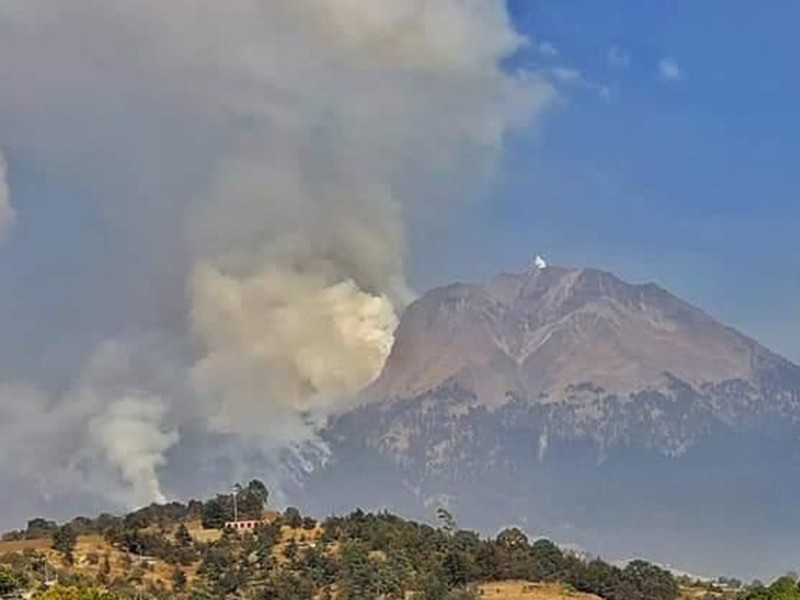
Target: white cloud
567, 75
548, 49
618, 58
7, 213
668, 70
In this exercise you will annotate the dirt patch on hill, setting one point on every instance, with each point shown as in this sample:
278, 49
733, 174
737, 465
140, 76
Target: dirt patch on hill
23, 545
524, 590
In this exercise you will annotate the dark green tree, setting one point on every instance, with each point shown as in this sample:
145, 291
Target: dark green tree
654, 583
512, 538
182, 536
178, 579
10, 582
548, 561
64, 540
488, 562
288, 586
457, 568
433, 587
217, 512
359, 574
252, 500
40, 528
258, 490
292, 517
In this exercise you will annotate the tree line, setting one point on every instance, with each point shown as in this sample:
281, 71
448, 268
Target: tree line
360, 556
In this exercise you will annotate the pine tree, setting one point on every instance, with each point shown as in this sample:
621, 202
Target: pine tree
64, 540
182, 536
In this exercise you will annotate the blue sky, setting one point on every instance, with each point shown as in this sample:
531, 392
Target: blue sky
688, 177
690, 181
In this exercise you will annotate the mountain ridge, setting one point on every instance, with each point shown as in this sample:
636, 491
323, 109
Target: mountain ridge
539, 332
587, 409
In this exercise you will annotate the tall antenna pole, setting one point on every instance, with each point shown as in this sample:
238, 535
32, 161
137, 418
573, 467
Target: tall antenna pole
234, 494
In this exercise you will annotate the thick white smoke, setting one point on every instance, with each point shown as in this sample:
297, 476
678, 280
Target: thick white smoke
255, 161
7, 213
109, 431
130, 433
285, 343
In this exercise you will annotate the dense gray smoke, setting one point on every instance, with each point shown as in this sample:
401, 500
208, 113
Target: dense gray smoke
252, 162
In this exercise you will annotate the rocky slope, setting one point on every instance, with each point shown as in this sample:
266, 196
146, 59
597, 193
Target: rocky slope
538, 333
583, 407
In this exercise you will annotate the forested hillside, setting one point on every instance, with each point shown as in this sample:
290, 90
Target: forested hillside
185, 551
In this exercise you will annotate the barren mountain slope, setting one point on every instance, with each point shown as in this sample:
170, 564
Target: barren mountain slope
536, 334
613, 415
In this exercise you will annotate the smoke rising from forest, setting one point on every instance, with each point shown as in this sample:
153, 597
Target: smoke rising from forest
243, 171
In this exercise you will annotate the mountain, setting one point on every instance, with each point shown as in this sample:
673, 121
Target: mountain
538, 333
615, 416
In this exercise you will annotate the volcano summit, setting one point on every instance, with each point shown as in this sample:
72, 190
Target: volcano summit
612, 415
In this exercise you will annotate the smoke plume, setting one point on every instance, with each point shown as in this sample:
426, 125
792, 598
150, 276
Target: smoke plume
250, 167
284, 343
130, 433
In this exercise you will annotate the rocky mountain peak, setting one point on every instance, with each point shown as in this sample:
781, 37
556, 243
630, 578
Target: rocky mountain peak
576, 403
539, 333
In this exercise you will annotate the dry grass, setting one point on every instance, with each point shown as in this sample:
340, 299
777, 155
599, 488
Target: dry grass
300, 535
523, 590
121, 563
22, 545
90, 553
697, 592
202, 535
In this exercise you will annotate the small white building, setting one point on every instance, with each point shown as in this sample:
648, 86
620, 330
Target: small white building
248, 525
